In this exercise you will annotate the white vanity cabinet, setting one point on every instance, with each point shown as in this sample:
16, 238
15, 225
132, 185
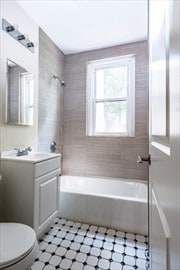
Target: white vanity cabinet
31, 191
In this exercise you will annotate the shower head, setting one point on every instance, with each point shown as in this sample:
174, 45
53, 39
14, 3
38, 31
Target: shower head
61, 81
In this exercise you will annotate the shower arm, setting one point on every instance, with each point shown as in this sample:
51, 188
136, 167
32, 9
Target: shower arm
62, 82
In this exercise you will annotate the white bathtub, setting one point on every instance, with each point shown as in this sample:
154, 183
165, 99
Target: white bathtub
116, 203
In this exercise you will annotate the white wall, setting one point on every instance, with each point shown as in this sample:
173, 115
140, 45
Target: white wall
13, 135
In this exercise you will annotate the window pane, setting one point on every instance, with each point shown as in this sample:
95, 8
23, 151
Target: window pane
111, 116
112, 82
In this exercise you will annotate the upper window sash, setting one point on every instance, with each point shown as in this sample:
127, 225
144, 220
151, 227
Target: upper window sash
92, 67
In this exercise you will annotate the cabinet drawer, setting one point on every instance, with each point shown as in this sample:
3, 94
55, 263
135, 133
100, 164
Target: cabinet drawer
47, 166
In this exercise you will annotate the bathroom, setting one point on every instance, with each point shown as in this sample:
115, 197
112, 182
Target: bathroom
107, 204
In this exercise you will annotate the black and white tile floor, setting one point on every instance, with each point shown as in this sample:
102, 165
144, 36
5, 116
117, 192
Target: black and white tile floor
77, 246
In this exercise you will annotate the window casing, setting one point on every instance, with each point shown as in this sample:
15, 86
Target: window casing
111, 97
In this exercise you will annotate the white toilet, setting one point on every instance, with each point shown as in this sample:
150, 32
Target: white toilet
18, 246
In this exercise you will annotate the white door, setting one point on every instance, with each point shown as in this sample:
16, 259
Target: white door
164, 45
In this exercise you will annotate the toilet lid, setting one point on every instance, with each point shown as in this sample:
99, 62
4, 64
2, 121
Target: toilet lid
16, 241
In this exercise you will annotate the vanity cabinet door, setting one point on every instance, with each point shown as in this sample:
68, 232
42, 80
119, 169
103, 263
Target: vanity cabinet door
46, 200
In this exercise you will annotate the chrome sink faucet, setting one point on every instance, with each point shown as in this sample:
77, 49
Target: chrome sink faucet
23, 152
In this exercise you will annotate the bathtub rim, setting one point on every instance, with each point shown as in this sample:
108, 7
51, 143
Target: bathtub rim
110, 196
110, 178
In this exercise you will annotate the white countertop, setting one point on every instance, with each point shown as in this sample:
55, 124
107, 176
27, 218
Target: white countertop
32, 157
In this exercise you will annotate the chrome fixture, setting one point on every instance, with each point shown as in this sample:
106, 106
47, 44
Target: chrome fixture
13, 32
53, 147
61, 81
23, 152
142, 159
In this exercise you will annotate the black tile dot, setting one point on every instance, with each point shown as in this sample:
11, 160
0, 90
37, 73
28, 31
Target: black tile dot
114, 243
94, 238
68, 248
124, 245
63, 238
135, 257
125, 238
122, 263
43, 250
78, 251
36, 260
73, 260
135, 266
57, 266
49, 243
110, 260
46, 263
59, 230
124, 254
99, 257
91, 246
88, 254
58, 245
85, 263
63, 257
72, 241
101, 248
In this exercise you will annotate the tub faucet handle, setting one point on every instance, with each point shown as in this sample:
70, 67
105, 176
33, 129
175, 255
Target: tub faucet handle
142, 159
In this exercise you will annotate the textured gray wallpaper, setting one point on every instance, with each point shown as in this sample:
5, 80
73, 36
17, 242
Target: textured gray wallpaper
51, 62
103, 156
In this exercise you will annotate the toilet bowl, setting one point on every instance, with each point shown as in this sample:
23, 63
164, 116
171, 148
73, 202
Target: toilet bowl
18, 246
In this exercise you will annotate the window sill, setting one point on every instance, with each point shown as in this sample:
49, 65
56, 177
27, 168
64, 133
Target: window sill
110, 135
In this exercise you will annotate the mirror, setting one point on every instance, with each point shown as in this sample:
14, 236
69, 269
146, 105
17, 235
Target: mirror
19, 95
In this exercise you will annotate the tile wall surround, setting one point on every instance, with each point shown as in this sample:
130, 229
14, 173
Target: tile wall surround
51, 62
104, 156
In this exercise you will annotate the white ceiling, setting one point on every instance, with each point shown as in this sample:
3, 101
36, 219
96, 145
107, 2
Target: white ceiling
77, 26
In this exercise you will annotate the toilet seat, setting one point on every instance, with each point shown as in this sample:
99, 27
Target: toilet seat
18, 241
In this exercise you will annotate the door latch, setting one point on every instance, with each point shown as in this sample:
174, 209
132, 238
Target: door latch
142, 159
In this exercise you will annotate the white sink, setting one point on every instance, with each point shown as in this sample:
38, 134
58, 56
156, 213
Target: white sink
32, 157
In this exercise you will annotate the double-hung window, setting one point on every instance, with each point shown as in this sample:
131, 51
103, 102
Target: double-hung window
110, 96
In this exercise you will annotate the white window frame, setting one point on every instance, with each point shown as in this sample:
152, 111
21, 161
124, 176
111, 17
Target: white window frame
91, 100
